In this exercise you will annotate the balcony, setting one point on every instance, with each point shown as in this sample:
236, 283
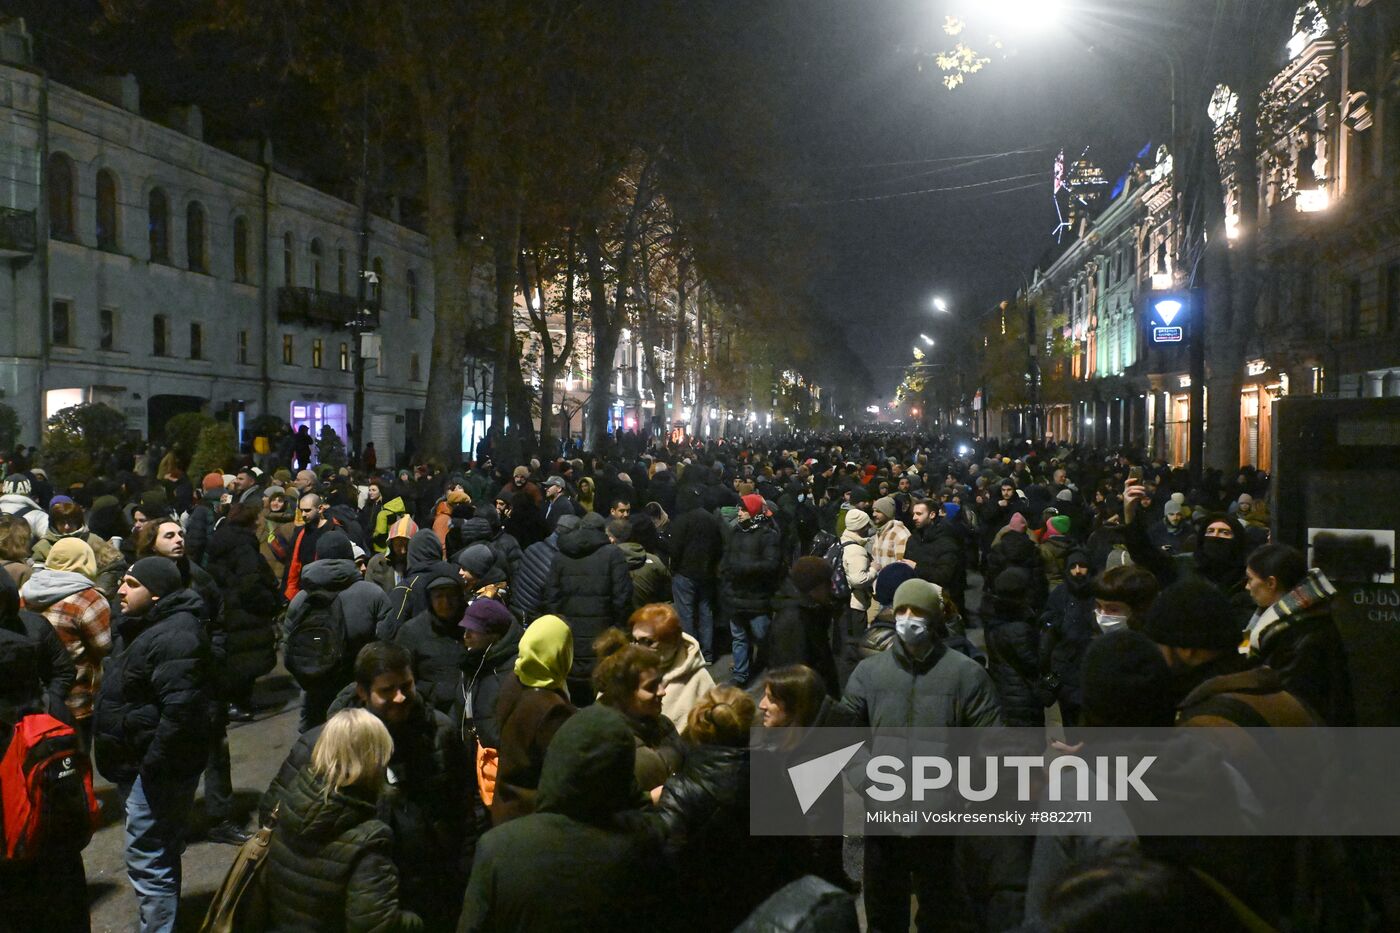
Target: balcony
18, 237
314, 308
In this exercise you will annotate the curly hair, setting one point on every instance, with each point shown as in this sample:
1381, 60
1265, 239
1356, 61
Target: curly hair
621, 667
722, 717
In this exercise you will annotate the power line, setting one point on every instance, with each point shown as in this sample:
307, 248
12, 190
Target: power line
957, 158
942, 190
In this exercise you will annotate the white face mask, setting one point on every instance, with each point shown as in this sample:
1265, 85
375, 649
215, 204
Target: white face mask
914, 632
1108, 623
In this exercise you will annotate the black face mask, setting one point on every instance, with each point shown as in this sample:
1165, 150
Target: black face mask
1079, 586
1218, 553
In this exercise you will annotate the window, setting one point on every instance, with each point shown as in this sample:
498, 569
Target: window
1392, 298
413, 370
377, 284
243, 347
107, 211
160, 335
340, 270
316, 264
289, 355
1353, 321
196, 341
61, 197
107, 329
411, 280
195, 254
289, 272
240, 250
345, 357
158, 225
61, 324
316, 346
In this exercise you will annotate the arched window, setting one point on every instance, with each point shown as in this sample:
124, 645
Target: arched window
316, 264
376, 289
289, 270
158, 225
195, 251
240, 249
61, 197
107, 211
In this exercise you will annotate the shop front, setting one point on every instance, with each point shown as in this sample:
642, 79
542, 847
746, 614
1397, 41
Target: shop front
1263, 385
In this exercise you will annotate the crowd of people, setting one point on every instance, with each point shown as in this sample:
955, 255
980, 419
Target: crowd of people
516, 713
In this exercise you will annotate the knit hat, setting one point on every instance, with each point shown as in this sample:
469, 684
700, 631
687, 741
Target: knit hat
889, 580
1179, 498
856, 520
753, 504
808, 573
922, 595
567, 523
1065, 495
1126, 682
153, 503
476, 560
282, 477
487, 617
271, 491
1017, 522
952, 510
594, 520
1192, 613
1059, 524
334, 545
403, 528
73, 554
17, 484
212, 481
546, 654
885, 506
157, 574
457, 497
1171, 508
1013, 585
456, 479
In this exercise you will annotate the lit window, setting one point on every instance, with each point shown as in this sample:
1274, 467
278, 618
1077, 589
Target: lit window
316, 347
289, 355
345, 357
243, 346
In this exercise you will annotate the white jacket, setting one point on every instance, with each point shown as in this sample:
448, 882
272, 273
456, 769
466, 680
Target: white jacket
37, 518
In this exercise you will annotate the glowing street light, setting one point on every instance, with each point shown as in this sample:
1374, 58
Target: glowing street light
1025, 16
926, 339
940, 305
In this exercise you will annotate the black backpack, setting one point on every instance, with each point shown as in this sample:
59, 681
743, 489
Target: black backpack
315, 646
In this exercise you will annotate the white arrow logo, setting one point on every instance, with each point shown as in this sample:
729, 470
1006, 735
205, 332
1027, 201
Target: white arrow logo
1168, 310
811, 778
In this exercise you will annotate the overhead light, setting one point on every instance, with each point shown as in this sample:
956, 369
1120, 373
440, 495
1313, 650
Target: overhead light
1312, 200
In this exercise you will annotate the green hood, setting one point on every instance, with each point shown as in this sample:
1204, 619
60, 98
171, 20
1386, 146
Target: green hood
588, 769
546, 653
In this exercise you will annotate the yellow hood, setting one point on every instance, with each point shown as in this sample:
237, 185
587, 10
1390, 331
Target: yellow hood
546, 654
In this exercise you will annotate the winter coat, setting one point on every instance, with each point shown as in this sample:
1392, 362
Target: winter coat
368, 612
1173, 541
199, 525
427, 805
893, 689
860, 570
1297, 637
1053, 551
18, 570
801, 634
329, 866
751, 568
438, 655
705, 811
252, 601
483, 529
57, 672
388, 513
1016, 549
381, 572
27, 509
527, 718
588, 860
274, 539
485, 673
80, 617
686, 680
410, 597
651, 581
1066, 627
696, 545
590, 588
1013, 654
111, 565
528, 585
660, 750
153, 707
940, 558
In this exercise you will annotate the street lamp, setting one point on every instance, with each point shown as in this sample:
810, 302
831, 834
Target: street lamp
926, 339
940, 305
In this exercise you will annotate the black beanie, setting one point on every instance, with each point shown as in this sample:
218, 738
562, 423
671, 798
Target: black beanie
334, 545
1192, 613
1013, 584
160, 575
1126, 682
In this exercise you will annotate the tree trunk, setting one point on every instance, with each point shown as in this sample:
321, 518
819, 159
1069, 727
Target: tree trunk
506, 242
604, 344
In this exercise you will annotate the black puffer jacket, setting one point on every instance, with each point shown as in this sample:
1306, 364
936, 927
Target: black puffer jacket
427, 807
751, 568
1013, 653
590, 588
1016, 549
705, 809
696, 544
485, 528
329, 866
940, 557
438, 655
1066, 627
485, 673
152, 713
252, 599
410, 597
56, 669
801, 634
528, 585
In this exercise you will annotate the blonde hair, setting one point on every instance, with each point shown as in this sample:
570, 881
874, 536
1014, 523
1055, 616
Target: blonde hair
353, 751
722, 717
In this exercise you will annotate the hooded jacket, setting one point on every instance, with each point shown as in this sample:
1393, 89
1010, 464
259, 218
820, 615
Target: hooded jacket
800, 634
1013, 653
588, 859
749, 572
153, 709
590, 587
438, 655
1066, 627
939, 557
329, 865
651, 581
686, 680
80, 617
111, 566
696, 543
1016, 549
532, 706
55, 667
29, 510
252, 601
410, 597
485, 673
388, 515
368, 612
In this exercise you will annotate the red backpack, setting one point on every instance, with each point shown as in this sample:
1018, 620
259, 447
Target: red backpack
46, 789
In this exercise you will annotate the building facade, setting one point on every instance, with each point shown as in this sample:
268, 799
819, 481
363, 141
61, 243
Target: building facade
159, 274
